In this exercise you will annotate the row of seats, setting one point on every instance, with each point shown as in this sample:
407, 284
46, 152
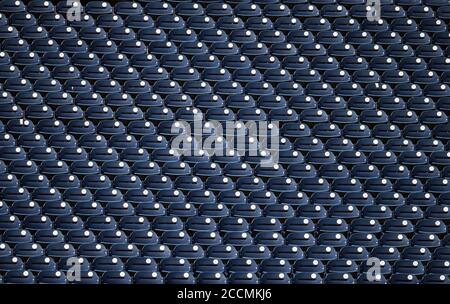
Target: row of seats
234, 224
330, 245
211, 265
144, 277
288, 207
77, 119
416, 9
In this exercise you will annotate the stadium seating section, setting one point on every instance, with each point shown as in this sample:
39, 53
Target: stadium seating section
88, 176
